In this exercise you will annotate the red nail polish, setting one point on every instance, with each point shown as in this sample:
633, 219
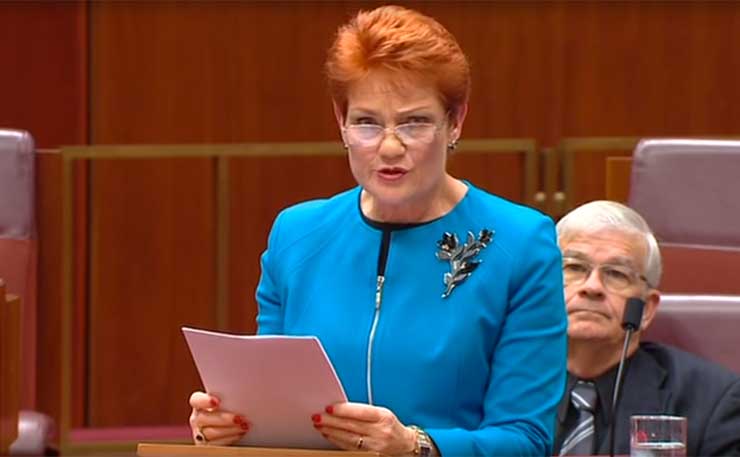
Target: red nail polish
330, 409
325, 435
238, 420
214, 401
315, 425
316, 418
244, 426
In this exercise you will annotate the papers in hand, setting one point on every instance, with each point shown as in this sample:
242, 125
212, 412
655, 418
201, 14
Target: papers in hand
276, 382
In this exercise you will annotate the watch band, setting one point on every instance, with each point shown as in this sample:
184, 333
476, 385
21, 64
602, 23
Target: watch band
424, 444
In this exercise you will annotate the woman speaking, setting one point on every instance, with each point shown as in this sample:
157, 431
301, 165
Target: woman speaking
440, 305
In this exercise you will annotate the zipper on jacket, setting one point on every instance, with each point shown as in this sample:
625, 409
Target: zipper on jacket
385, 244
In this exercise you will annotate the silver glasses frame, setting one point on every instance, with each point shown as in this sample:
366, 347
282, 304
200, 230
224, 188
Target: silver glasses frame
396, 130
590, 267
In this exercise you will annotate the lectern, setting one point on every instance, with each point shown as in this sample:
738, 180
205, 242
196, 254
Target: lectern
188, 450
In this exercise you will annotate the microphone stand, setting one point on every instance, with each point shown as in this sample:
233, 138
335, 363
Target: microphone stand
630, 322
617, 389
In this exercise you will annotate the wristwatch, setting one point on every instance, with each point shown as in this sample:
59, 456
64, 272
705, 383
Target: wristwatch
424, 444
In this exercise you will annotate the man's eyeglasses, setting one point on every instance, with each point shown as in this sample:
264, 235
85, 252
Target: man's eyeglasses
369, 136
615, 278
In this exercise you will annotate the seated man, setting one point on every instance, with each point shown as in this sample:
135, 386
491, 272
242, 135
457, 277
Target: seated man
609, 255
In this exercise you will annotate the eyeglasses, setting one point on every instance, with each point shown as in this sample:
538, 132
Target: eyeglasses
615, 278
369, 136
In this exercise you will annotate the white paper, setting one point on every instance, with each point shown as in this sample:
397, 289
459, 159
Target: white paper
276, 382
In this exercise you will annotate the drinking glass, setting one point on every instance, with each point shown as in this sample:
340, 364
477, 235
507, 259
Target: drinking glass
657, 436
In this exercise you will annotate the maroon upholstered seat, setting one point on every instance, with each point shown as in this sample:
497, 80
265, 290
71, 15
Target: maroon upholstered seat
18, 254
706, 325
18, 243
699, 270
688, 190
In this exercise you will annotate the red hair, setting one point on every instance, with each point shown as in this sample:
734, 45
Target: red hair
405, 43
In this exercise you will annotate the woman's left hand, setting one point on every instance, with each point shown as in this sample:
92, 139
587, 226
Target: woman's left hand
353, 426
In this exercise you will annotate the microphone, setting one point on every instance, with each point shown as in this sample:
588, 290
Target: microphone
632, 317
631, 320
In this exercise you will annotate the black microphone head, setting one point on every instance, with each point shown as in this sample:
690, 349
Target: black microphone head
632, 317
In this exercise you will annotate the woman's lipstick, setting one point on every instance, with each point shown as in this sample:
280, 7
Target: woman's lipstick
392, 173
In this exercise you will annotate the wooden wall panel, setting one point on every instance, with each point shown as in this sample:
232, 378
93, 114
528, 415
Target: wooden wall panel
252, 71
152, 258
48, 191
651, 68
540, 69
589, 175
618, 175
516, 53
43, 84
210, 72
49, 221
501, 174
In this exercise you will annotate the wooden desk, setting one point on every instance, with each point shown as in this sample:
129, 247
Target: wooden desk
186, 450
10, 367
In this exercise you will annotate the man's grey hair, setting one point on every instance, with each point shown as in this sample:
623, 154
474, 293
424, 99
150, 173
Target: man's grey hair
608, 215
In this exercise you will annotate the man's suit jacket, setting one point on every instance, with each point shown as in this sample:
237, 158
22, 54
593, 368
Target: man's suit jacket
665, 380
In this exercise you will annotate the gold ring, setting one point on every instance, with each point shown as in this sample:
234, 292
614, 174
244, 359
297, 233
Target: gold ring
360, 442
200, 436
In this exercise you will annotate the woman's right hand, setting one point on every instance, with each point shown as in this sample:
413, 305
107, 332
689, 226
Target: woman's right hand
210, 425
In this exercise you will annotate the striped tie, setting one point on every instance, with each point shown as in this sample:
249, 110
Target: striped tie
580, 441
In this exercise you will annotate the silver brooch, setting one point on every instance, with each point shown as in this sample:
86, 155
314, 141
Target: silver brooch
461, 258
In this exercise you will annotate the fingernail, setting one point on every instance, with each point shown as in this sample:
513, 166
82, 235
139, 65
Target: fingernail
245, 426
214, 401
317, 425
238, 420
330, 409
316, 418
325, 435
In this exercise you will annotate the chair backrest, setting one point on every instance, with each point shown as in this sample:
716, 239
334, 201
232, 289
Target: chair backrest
16, 184
706, 325
18, 243
687, 190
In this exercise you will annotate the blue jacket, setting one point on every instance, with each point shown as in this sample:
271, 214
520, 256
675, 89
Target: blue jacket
482, 370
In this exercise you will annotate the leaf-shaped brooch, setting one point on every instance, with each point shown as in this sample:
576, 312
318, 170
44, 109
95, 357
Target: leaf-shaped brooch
462, 258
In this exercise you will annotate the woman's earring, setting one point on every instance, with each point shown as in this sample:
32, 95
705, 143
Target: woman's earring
346, 146
452, 145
